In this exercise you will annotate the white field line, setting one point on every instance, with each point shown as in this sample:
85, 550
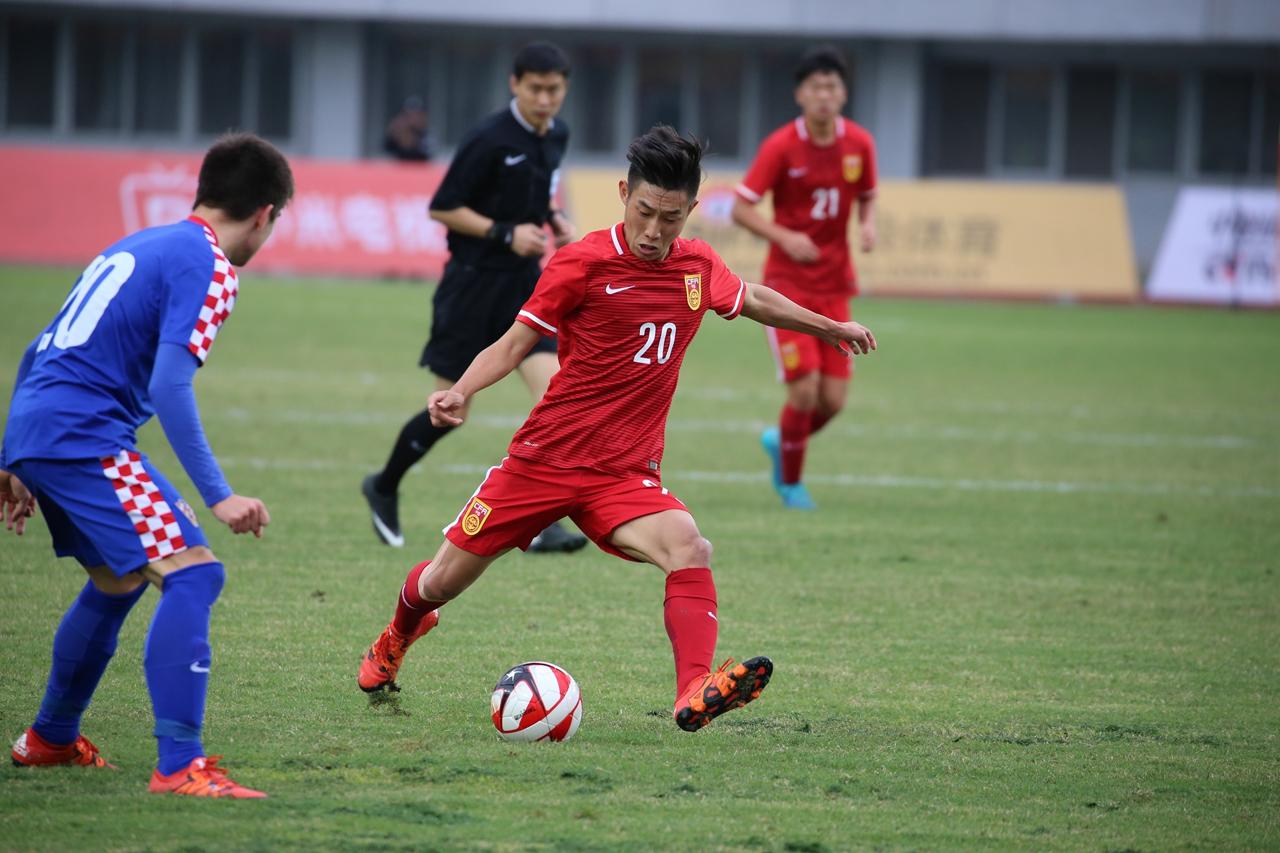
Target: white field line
877, 481
770, 393
849, 427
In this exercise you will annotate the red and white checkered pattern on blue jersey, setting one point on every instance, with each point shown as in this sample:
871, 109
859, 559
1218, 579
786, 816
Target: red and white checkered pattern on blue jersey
218, 302
152, 517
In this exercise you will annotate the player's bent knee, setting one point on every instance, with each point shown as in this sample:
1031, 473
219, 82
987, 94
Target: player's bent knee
696, 552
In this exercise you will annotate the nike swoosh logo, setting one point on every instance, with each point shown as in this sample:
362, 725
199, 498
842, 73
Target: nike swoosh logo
796, 173
196, 667
511, 161
609, 288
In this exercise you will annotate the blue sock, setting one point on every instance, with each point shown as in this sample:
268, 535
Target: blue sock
82, 648
176, 660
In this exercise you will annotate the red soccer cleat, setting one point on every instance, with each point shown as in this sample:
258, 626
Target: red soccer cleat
31, 750
201, 778
727, 688
380, 664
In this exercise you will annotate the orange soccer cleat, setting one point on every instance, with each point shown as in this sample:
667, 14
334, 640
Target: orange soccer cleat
380, 664
201, 778
727, 688
31, 750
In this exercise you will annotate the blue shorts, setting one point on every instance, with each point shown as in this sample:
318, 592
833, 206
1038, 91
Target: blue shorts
119, 511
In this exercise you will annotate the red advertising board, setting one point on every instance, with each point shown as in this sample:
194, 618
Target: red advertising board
64, 205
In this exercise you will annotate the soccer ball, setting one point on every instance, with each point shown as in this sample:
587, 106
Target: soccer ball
536, 701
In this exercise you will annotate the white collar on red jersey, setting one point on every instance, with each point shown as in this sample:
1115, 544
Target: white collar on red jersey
803, 132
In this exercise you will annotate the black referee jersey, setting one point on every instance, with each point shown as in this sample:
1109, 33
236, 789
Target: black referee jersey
506, 172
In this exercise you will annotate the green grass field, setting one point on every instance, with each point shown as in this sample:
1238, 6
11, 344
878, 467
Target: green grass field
1038, 609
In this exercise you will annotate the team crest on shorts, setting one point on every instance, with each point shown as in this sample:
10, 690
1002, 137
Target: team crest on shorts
790, 355
693, 291
474, 516
185, 509
852, 167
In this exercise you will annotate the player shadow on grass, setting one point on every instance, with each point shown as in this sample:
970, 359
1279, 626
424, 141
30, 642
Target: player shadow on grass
388, 702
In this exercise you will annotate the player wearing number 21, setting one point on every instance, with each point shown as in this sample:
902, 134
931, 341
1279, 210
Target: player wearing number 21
126, 343
816, 167
625, 303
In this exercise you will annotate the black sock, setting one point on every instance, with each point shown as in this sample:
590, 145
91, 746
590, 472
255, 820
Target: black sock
415, 440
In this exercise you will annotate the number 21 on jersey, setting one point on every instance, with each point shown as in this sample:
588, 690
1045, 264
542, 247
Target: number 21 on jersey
826, 203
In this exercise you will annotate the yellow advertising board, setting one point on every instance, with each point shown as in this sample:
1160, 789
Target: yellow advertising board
936, 238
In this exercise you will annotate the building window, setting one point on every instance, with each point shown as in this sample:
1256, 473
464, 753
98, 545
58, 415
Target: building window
1270, 122
1154, 121
1225, 101
1091, 111
593, 97
1027, 103
660, 80
275, 84
157, 78
720, 101
32, 54
221, 57
99, 79
777, 89
957, 119
473, 87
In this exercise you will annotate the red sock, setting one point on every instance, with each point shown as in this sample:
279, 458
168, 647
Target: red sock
820, 419
411, 607
794, 426
689, 612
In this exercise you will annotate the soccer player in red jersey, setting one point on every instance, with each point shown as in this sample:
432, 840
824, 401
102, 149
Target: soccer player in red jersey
816, 166
625, 303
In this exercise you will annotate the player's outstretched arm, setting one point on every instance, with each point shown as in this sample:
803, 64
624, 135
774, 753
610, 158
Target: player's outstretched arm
770, 308
492, 364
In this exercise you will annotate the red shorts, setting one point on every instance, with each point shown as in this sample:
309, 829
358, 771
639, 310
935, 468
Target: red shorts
518, 498
797, 354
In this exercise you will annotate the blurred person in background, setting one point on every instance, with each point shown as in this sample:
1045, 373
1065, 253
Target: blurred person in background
407, 132
496, 202
816, 166
126, 343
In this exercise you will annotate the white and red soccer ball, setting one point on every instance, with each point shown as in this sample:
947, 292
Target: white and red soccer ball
536, 701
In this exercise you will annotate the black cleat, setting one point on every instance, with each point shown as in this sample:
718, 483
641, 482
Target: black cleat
555, 538
385, 510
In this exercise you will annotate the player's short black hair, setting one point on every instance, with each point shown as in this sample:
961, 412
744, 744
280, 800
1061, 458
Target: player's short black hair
667, 160
242, 173
824, 57
540, 57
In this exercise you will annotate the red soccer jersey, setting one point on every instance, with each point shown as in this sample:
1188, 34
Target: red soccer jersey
623, 325
813, 188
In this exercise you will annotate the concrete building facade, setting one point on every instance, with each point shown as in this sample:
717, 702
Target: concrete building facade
1150, 94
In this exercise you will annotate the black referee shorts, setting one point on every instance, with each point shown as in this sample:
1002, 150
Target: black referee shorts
471, 309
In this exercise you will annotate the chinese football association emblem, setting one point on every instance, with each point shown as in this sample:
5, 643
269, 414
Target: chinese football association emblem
852, 167
790, 355
474, 517
693, 291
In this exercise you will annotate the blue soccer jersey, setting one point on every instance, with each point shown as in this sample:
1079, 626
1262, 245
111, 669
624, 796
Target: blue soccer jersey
86, 392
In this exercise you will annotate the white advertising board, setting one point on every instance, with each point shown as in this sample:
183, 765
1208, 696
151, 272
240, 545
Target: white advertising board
1219, 247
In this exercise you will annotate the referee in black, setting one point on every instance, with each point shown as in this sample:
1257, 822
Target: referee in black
495, 200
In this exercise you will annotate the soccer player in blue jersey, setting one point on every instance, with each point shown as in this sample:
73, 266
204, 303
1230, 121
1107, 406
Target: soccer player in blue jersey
126, 344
